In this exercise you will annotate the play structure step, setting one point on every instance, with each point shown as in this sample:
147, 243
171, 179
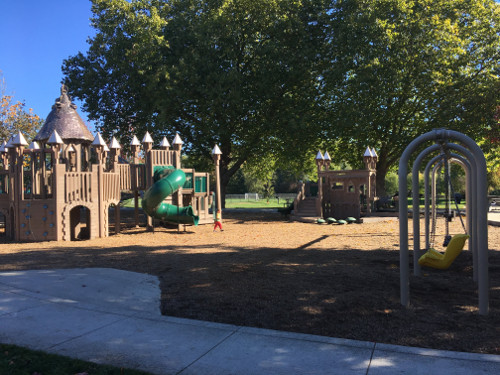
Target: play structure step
304, 219
307, 208
307, 213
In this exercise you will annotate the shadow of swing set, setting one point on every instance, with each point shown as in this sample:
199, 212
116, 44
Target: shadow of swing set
467, 154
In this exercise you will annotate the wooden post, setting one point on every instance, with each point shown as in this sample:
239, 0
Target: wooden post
147, 144
216, 154
319, 200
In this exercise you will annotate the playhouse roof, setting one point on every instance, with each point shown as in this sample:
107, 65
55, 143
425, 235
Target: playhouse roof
66, 121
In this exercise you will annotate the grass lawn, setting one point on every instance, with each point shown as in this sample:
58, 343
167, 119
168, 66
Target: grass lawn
441, 204
273, 203
15, 360
261, 203
235, 203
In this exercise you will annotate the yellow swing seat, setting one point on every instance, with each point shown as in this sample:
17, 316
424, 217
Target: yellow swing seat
435, 259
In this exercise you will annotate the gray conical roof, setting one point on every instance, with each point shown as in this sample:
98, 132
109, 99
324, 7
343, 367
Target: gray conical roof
66, 121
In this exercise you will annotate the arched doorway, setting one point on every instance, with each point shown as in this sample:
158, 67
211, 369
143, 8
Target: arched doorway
3, 224
80, 223
10, 225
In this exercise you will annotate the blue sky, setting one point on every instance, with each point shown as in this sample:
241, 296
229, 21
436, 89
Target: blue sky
37, 35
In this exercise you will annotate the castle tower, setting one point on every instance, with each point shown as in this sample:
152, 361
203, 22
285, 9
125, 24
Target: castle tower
69, 125
370, 159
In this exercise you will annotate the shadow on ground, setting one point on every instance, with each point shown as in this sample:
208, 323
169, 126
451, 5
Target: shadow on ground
340, 293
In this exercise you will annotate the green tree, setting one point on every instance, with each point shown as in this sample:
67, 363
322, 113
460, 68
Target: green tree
14, 117
239, 73
260, 176
492, 145
401, 68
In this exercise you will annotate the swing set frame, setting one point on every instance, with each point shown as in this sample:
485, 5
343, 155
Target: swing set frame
438, 162
472, 158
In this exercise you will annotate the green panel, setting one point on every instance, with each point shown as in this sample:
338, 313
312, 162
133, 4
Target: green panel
314, 190
200, 184
189, 181
4, 183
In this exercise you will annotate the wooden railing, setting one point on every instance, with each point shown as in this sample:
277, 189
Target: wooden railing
78, 186
300, 197
4, 182
111, 186
138, 176
125, 179
162, 157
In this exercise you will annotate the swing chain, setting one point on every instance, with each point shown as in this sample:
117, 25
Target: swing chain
449, 189
447, 210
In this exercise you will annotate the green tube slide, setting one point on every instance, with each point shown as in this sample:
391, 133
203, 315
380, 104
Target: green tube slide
167, 181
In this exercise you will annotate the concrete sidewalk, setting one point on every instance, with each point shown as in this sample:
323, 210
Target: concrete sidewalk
113, 317
494, 218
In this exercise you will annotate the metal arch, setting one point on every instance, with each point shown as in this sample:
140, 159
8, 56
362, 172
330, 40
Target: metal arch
480, 222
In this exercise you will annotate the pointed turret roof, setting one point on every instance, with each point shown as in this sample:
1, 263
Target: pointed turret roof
135, 142
177, 140
98, 140
114, 144
216, 150
55, 139
164, 142
66, 121
34, 146
19, 140
147, 138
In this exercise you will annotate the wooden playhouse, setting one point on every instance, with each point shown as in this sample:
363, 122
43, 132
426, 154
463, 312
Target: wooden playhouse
62, 185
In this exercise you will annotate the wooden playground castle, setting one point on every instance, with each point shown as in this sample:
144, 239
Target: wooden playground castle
340, 193
62, 185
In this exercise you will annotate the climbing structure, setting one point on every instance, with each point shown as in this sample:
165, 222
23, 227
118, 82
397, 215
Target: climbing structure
341, 193
62, 185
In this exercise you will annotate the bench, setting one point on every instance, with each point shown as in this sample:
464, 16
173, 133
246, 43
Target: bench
494, 203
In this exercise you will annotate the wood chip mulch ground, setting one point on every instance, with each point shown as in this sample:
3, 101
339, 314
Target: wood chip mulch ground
265, 271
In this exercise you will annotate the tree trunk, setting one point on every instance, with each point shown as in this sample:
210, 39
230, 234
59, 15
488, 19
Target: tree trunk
223, 188
382, 169
226, 174
225, 177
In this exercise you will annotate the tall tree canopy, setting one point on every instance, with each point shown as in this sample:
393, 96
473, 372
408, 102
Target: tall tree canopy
240, 73
275, 78
14, 117
401, 68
